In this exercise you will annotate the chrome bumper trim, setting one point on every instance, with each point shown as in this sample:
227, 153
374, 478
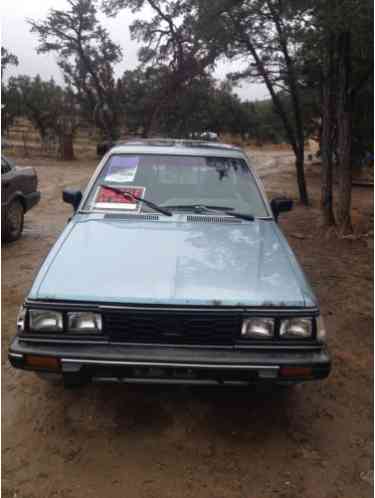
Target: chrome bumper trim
187, 382
16, 355
168, 364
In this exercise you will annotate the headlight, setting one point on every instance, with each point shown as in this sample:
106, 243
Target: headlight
84, 322
45, 321
296, 328
258, 328
321, 332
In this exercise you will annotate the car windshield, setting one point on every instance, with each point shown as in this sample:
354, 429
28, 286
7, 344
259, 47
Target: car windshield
184, 183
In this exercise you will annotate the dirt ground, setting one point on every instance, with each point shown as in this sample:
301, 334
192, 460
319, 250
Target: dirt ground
158, 442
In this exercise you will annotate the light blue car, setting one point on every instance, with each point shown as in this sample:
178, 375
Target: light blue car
172, 269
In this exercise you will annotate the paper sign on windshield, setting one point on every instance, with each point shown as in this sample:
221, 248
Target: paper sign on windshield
108, 199
122, 169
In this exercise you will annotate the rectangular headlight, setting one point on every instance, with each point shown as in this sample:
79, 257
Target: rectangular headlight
258, 328
296, 328
45, 321
84, 322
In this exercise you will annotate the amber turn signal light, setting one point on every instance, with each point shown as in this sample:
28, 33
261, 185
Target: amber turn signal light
42, 362
296, 372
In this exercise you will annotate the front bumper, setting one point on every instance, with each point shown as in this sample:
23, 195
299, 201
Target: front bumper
168, 364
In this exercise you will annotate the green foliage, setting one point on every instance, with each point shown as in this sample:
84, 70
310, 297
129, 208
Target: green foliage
141, 90
11, 105
203, 104
170, 46
169, 37
38, 100
363, 123
354, 17
171, 92
9, 100
7, 58
51, 109
87, 56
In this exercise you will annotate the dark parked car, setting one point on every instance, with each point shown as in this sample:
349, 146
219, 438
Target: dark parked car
172, 269
18, 195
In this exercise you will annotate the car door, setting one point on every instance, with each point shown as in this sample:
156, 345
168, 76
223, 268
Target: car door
7, 187
11, 182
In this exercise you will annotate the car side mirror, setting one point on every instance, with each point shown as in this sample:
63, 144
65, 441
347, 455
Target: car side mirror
281, 205
72, 197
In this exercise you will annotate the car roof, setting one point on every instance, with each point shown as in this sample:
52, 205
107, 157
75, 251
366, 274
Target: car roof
171, 146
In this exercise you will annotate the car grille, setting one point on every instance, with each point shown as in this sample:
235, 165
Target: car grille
170, 327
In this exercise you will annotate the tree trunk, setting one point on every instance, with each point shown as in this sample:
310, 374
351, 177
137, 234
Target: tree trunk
301, 179
298, 148
151, 125
345, 171
327, 167
326, 138
66, 151
344, 136
300, 168
295, 99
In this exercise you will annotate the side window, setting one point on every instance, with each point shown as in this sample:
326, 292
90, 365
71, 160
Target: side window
5, 166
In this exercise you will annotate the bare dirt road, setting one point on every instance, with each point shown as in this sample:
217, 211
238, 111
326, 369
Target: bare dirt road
159, 442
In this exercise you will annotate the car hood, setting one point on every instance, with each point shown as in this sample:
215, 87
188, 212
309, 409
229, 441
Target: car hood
173, 262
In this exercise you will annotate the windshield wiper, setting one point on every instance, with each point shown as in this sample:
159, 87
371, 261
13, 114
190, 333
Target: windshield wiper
129, 195
241, 216
203, 208
198, 207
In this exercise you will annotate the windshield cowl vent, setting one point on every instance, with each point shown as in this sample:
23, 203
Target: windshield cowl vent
211, 219
133, 217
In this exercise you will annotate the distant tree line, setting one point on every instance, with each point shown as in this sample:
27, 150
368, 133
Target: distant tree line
315, 58
205, 104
